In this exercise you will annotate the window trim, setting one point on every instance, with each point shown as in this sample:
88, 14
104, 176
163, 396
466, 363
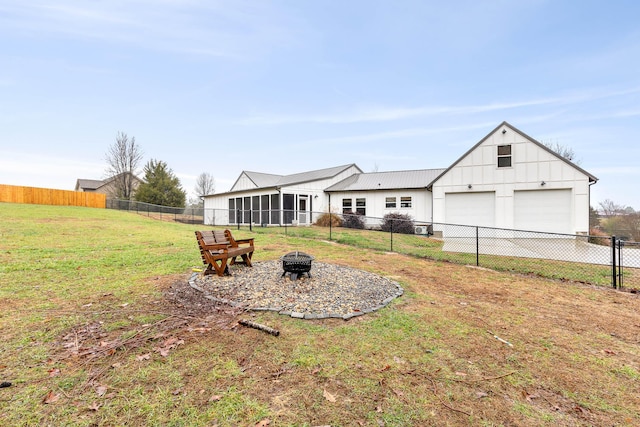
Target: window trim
361, 206
347, 207
406, 202
504, 156
390, 204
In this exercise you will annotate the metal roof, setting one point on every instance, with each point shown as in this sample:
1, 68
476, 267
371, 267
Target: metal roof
387, 180
266, 180
314, 175
263, 179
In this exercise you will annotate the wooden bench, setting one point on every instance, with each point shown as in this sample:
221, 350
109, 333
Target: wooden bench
217, 247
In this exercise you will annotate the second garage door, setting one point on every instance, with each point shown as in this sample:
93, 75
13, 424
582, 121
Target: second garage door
471, 208
543, 210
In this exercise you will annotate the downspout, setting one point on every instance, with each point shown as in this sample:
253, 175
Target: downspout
330, 218
589, 220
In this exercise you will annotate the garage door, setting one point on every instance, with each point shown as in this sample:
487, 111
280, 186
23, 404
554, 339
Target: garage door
471, 208
543, 210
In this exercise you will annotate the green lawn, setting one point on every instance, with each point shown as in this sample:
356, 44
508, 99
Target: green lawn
94, 333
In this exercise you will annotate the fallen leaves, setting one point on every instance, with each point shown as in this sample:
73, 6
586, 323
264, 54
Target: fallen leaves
101, 390
54, 372
328, 396
94, 406
50, 398
143, 357
168, 345
215, 398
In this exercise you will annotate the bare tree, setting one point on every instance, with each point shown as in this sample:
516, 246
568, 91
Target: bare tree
609, 208
123, 158
205, 184
562, 150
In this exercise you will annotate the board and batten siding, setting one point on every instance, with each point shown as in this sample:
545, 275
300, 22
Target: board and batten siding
420, 209
243, 183
533, 168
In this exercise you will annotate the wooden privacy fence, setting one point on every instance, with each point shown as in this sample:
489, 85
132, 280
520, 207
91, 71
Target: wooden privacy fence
49, 196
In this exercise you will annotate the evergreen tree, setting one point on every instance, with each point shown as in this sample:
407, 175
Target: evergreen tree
161, 186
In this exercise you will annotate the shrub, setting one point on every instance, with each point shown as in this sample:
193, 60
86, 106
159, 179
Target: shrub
352, 219
398, 223
599, 237
327, 219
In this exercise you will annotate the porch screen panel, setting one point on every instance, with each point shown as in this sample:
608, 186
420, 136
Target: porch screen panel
255, 209
232, 211
264, 217
275, 209
247, 210
238, 209
288, 207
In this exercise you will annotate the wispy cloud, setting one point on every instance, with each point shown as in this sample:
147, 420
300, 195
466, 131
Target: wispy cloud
227, 29
398, 134
385, 114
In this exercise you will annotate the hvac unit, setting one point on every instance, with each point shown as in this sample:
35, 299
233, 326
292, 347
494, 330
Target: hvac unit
421, 229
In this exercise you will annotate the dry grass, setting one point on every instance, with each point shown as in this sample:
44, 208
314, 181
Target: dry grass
151, 351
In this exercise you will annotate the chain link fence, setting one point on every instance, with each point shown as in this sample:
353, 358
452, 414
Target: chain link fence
189, 215
598, 260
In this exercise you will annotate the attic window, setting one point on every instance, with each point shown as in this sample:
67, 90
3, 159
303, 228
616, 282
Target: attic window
504, 156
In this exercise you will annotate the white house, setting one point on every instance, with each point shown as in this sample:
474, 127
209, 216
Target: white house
268, 199
378, 193
507, 180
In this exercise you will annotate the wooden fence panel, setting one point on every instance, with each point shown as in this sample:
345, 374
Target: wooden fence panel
49, 196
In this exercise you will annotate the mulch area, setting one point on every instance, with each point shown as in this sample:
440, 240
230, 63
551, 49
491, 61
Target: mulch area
331, 291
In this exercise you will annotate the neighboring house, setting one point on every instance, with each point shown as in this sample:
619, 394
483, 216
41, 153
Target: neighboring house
107, 186
507, 180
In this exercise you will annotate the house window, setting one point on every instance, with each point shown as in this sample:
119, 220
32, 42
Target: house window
347, 205
390, 202
361, 206
504, 156
405, 202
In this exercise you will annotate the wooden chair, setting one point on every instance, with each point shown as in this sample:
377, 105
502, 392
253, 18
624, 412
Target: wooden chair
217, 247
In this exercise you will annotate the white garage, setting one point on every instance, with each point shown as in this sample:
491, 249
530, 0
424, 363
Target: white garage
509, 180
543, 210
477, 209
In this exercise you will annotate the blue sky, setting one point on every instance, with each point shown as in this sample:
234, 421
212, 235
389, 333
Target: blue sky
288, 86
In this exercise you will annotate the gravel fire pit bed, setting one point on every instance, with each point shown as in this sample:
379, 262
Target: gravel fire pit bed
333, 290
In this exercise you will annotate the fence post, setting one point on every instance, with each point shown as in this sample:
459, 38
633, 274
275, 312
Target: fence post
620, 266
392, 235
477, 246
250, 220
614, 273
